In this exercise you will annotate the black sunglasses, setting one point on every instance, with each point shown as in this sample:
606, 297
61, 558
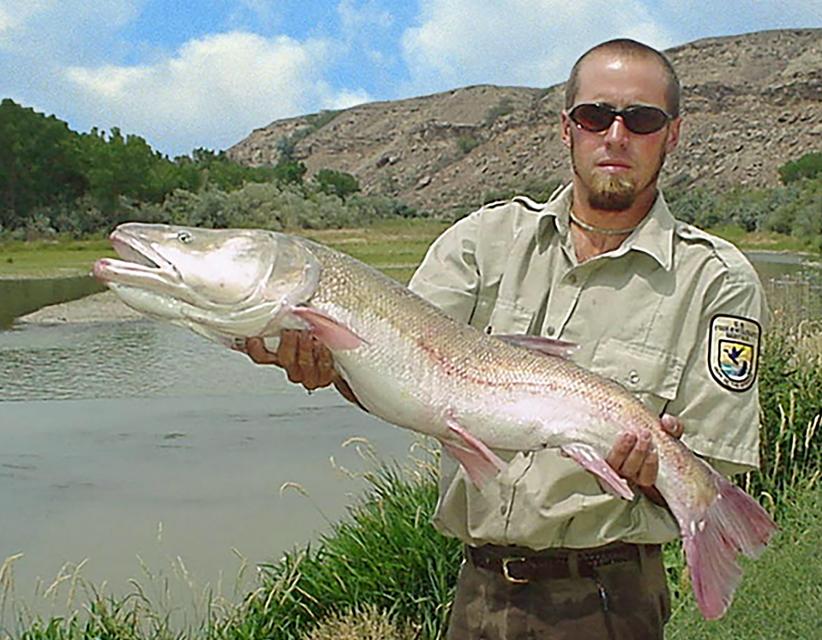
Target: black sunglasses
637, 118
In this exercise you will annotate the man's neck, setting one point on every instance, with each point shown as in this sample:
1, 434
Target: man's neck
598, 231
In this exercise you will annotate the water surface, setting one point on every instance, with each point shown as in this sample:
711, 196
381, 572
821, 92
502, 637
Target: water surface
136, 438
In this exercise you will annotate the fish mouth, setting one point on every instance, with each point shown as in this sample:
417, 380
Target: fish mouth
139, 262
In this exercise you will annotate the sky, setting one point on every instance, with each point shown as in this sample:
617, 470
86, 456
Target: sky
185, 75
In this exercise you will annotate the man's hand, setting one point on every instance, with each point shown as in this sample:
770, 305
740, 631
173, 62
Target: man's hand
306, 361
636, 460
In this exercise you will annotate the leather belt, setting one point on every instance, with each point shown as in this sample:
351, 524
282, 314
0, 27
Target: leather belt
520, 566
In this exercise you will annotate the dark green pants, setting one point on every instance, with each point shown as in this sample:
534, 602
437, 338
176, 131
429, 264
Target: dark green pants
614, 600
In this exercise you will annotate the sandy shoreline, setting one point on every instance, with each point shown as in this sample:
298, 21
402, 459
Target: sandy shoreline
99, 307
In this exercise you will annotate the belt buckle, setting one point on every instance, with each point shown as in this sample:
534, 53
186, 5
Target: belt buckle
512, 579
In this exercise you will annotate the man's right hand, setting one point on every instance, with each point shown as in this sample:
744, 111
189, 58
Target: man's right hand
306, 361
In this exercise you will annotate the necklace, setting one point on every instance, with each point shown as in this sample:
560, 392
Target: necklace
602, 230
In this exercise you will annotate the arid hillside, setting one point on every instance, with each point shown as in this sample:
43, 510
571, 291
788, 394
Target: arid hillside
750, 103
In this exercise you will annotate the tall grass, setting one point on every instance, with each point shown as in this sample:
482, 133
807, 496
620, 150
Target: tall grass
385, 555
790, 393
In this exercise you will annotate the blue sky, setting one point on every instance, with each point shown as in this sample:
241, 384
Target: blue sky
205, 74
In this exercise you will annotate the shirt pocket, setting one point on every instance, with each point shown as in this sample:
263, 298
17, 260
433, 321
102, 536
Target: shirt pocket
650, 373
509, 318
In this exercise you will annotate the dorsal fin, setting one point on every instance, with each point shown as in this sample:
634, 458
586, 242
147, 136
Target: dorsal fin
545, 346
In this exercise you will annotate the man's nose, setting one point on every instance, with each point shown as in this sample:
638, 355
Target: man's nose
617, 132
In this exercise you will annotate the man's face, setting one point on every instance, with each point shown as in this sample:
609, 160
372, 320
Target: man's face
613, 168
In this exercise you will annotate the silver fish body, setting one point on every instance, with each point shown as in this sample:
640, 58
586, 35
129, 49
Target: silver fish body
410, 364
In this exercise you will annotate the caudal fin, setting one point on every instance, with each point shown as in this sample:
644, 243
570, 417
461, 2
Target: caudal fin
734, 523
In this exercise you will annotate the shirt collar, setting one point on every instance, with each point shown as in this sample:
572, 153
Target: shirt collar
654, 236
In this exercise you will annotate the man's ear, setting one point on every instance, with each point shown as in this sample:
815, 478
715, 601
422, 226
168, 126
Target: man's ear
673, 134
565, 128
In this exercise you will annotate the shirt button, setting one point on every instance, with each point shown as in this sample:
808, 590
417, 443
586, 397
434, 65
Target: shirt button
633, 376
551, 331
503, 510
572, 279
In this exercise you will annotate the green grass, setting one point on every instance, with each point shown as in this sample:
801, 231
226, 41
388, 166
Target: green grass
781, 592
45, 258
762, 240
385, 555
395, 247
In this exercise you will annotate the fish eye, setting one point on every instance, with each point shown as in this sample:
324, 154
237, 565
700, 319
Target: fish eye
184, 236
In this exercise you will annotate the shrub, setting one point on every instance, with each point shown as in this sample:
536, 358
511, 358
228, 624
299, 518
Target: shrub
467, 143
808, 166
502, 108
336, 183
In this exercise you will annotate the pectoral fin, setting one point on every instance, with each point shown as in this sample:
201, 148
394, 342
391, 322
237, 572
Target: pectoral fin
545, 346
591, 461
331, 333
480, 463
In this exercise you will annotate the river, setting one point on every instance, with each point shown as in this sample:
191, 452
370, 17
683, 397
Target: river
136, 446
133, 444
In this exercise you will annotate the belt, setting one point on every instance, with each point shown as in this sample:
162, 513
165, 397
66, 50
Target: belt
520, 566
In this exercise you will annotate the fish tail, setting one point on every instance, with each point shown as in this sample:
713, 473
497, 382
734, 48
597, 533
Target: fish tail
733, 523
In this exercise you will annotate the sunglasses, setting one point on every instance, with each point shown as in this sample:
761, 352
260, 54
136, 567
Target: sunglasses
637, 118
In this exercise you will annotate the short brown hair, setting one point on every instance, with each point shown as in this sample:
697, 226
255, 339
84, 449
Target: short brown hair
627, 47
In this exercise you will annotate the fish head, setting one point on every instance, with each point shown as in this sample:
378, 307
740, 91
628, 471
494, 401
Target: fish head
226, 282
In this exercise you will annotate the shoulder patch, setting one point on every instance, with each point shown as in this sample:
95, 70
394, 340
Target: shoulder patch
733, 351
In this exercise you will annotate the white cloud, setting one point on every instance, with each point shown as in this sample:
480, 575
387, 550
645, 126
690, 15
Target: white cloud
14, 15
739, 16
212, 92
366, 16
346, 98
50, 27
528, 42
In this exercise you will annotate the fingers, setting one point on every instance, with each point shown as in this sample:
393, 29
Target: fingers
635, 458
672, 425
306, 361
315, 363
257, 351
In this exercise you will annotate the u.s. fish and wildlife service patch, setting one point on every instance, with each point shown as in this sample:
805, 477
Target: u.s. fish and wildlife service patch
733, 352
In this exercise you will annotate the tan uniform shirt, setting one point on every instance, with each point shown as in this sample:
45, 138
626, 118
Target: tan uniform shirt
642, 314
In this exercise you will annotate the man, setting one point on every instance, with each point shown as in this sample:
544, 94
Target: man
668, 311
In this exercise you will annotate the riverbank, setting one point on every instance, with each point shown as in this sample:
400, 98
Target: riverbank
99, 307
395, 246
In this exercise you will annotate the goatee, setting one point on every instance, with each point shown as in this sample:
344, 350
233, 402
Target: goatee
610, 193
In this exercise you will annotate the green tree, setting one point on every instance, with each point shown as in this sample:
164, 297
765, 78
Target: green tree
40, 163
336, 183
808, 166
289, 172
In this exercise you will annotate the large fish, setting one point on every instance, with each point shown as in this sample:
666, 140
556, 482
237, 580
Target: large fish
413, 366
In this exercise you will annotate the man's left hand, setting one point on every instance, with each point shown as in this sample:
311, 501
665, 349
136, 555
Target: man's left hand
634, 457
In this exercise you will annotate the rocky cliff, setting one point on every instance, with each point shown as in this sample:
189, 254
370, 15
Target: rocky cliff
750, 103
